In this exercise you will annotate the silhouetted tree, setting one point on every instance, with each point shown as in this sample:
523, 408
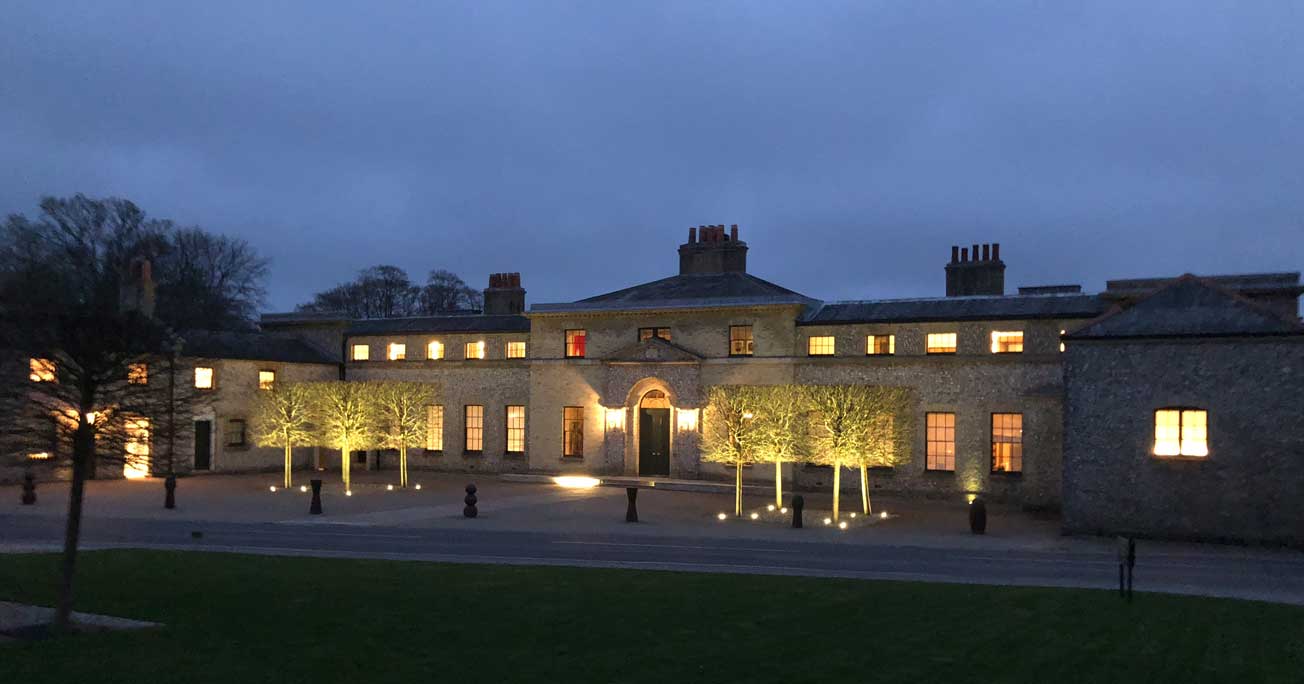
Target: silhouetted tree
209, 282
387, 292
445, 291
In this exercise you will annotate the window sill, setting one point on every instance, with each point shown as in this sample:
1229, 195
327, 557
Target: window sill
513, 454
933, 472
568, 457
434, 452
940, 353
472, 453
888, 356
1011, 474
1178, 459
741, 356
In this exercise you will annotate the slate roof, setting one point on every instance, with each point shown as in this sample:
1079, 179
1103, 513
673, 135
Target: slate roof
978, 308
700, 290
1188, 307
1247, 283
252, 346
455, 323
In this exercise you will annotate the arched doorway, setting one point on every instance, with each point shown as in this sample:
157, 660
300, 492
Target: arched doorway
654, 435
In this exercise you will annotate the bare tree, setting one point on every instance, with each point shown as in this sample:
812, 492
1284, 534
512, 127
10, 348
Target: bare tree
445, 291
209, 282
780, 429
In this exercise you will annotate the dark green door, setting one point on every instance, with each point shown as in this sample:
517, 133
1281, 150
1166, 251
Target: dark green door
653, 442
203, 444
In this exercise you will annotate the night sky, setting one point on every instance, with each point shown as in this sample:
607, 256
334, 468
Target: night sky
576, 142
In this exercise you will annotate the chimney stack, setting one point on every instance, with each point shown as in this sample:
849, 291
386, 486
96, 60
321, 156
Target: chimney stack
137, 290
984, 274
504, 296
715, 251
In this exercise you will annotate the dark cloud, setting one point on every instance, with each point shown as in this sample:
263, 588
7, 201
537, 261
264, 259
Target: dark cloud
854, 143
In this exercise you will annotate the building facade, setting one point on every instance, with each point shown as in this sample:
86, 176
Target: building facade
1039, 398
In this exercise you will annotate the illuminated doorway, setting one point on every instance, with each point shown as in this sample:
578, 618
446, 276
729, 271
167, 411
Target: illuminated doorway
136, 461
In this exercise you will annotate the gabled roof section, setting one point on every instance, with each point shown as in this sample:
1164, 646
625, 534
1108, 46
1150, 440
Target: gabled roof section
978, 308
453, 323
698, 290
1188, 307
250, 346
653, 350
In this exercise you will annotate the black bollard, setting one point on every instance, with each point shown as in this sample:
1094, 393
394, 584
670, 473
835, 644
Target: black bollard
470, 511
315, 507
170, 492
29, 489
798, 503
978, 516
631, 513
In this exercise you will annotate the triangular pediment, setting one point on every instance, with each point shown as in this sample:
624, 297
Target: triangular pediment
654, 350
1188, 306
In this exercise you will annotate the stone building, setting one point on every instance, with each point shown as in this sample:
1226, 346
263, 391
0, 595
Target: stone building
1009, 391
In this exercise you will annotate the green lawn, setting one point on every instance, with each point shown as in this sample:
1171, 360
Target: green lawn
246, 619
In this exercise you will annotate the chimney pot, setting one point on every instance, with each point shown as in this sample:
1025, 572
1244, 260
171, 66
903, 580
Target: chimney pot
987, 252
964, 254
733, 232
692, 234
974, 252
955, 253
996, 251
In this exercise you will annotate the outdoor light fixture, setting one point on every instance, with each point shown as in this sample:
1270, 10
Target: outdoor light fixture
721, 516
828, 521
303, 488
883, 515
348, 492
853, 514
687, 419
418, 486
755, 516
389, 488
615, 419
770, 507
271, 488
575, 481
842, 525
90, 417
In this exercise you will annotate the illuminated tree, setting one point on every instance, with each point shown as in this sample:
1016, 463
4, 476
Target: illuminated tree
345, 418
728, 435
779, 431
840, 420
883, 441
282, 418
401, 414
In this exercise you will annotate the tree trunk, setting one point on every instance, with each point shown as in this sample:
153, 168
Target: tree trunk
289, 463
738, 488
82, 452
402, 465
778, 484
837, 487
344, 463
864, 489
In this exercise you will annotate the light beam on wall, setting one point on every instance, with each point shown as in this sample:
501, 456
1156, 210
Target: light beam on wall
687, 419
615, 419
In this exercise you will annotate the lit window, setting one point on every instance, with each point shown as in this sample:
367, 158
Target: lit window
138, 374
474, 427
203, 377
940, 440
941, 343
1181, 432
575, 343
397, 351
435, 427
572, 431
361, 352
42, 370
266, 379
820, 346
39, 456
435, 350
1010, 342
1061, 340
649, 333
740, 340
516, 429
136, 463
881, 345
515, 350
235, 432
1007, 442
475, 350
